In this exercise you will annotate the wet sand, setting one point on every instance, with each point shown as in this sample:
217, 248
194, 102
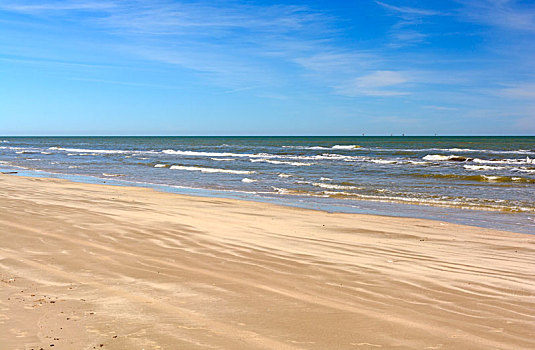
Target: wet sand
90, 266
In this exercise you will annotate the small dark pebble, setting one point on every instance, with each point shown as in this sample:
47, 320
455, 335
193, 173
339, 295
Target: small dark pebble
115, 336
52, 302
51, 344
101, 345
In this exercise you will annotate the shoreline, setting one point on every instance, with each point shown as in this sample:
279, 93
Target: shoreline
132, 267
452, 215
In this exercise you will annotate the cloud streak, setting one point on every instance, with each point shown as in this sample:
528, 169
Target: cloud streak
59, 6
521, 91
231, 45
408, 11
378, 83
504, 14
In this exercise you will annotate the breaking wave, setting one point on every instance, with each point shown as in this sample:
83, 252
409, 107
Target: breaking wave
451, 158
209, 170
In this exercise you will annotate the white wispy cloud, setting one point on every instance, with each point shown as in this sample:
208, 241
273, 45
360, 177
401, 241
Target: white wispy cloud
127, 83
231, 45
519, 91
405, 37
378, 83
336, 61
441, 108
381, 79
239, 45
242, 45
57, 6
158, 17
406, 31
408, 11
505, 14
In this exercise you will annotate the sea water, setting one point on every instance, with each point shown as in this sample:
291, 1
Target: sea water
484, 181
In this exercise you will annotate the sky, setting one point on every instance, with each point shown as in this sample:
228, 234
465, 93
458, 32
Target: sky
315, 67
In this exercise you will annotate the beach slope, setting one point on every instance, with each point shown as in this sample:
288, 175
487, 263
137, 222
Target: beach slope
87, 266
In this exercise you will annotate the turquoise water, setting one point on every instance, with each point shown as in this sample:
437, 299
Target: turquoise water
485, 181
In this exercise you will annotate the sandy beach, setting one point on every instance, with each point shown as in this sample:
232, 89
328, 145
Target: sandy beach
87, 266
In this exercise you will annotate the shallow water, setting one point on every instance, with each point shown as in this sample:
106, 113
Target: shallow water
485, 181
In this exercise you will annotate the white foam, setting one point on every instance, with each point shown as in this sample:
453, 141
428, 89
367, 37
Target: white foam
440, 157
519, 151
490, 178
94, 151
206, 154
436, 157
345, 147
209, 170
325, 179
335, 187
483, 167
223, 159
280, 162
26, 152
112, 175
334, 156
306, 147
383, 161
284, 175
526, 160
161, 166
281, 190
247, 180
462, 150
325, 156
524, 170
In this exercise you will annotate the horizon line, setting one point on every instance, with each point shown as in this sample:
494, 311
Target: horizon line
222, 135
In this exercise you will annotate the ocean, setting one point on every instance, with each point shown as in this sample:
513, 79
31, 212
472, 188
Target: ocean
482, 181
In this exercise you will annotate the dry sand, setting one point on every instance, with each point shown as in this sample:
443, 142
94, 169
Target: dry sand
90, 266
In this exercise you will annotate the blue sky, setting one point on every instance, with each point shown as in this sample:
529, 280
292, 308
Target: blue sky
267, 68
